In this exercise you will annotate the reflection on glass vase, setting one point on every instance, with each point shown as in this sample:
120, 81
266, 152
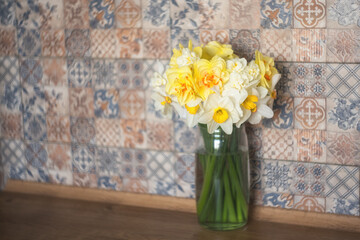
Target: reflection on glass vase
222, 179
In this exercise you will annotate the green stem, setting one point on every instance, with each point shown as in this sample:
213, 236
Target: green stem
207, 182
228, 197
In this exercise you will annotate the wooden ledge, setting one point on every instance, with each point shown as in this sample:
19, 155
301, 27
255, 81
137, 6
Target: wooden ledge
257, 213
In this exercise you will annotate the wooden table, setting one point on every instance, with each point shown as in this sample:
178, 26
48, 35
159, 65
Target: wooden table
24, 216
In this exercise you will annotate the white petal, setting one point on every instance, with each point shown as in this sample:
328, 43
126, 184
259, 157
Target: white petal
255, 118
265, 111
247, 114
194, 102
206, 117
243, 95
212, 126
275, 79
227, 126
212, 101
262, 91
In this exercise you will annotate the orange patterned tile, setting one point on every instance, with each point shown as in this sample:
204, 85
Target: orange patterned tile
160, 135
130, 43
309, 45
245, 14
10, 125
132, 104
278, 144
133, 133
56, 100
103, 43
309, 203
343, 45
309, 13
58, 128
343, 148
53, 43
108, 132
221, 36
128, 13
157, 44
54, 71
81, 102
85, 180
59, 156
277, 44
7, 42
310, 113
76, 13
310, 145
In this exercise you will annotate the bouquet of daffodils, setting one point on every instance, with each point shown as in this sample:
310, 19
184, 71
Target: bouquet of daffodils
213, 86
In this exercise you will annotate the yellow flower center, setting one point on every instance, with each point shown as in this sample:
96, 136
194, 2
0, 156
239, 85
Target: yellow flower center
220, 115
167, 101
250, 103
192, 110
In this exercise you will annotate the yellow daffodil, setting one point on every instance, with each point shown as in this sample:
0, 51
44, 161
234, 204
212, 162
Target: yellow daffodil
217, 49
267, 69
185, 56
219, 112
181, 84
261, 109
210, 74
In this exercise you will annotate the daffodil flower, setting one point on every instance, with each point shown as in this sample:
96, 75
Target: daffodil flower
258, 105
275, 79
214, 48
165, 103
185, 56
267, 69
236, 64
219, 112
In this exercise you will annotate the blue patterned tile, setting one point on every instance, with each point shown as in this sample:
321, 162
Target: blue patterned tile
34, 127
12, 156
28, 14
101, 13
186, 139
278, 200
342, 206
343, 81
160, 173
343, 114
343, 14
10, 98
29, 42
36, 157
56, 101
245, 42
31, 71
184, 14
284, 86
82, 130
77, 42
276, 14
277, 176
255, 174
9, 71
130, 74
61, 177
255, 136
33, 99
214, 14
156, 13
342, 182
83, 158
185, 175
183, 36
134, 164
308, 179
106, 103
7, 13
79, 72
108, 163
104, 73
283, 114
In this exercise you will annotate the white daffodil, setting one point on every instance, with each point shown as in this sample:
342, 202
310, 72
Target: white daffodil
252, 72
158, 81
192, 112
236, 64
187, 58
257, 103
165, 103
219, 111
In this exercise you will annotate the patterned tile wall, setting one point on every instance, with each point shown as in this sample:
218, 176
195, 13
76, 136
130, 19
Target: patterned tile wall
75, 106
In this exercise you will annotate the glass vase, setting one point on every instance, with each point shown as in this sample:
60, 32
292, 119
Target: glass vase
222, 179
